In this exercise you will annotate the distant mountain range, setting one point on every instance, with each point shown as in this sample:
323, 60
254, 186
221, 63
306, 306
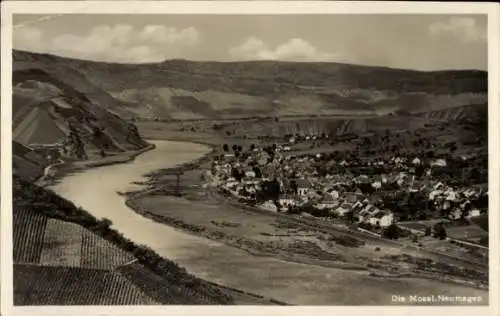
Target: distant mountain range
180, 89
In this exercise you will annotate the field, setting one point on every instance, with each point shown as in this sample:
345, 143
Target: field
263, 233
98, 253
28, 235
42, 285
62, 244
466, 232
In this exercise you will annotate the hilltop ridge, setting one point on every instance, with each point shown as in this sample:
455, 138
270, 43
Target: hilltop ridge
181, 89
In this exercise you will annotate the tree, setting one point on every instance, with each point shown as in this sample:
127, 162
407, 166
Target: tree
225, 147
392, 232
235, 147
440, 231
428, 231
258, 172
294, 186
252, 147
414, 238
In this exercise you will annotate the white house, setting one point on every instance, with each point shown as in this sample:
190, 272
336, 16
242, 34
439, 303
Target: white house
387, 219
474, 213
439, 163
455, 214
334, 194
416, 161
343, 209
384, 179
374, 220
377, 185
249, 174
303, 187
327, 203
287, 148
357, 205
269, 206
451, 195
286, 200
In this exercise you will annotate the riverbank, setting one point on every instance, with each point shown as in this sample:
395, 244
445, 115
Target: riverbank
60, 170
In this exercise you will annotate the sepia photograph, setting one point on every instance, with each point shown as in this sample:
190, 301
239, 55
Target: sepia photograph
246, 158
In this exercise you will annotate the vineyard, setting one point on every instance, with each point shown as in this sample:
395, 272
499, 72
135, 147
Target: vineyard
62, 244
28, 231
74, 286
98, 253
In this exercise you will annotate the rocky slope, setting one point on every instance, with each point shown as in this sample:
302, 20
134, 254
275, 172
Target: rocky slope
54, 114
179, 89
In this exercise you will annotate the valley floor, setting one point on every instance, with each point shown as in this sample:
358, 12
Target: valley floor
202, 211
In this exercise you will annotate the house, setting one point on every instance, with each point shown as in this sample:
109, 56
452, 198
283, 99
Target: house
398, 160
334, 194
474, 213
269, 206
303, 186
287, 148
439, 163
249, 174
344, 163
455, 214
363, 179
377, 185
357, 205
416, 161
438, 185
387, 219
374, 220
287, 200
384, 179
451, 195
343, 209
328, 202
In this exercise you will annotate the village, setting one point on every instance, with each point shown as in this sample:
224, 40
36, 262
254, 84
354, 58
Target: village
393, 196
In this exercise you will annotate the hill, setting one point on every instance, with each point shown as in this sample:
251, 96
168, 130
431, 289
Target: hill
54, 119
180, 89
64, 256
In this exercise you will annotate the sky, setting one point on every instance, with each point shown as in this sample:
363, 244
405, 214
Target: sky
422, 42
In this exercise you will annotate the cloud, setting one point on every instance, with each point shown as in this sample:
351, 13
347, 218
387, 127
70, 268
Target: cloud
464, 28
117, 43
163, 34
295, 49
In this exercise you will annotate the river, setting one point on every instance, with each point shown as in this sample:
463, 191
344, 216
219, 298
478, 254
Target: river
96, 189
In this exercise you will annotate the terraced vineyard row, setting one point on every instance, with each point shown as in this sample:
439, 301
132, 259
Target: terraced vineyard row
28, 234
98, 253
154, 286
74, 286
62, 244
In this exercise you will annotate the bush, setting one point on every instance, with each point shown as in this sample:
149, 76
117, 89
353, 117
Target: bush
392, 232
